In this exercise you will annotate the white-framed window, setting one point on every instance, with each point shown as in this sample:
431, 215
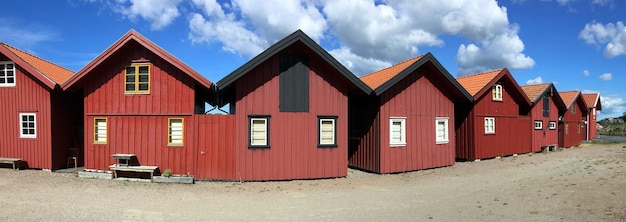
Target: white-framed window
7, 74
100, 130
28, 125
552, 125
175, 130
538, 124
496, 92
259, 132
441, 126
490, 125
327, 131
137, 79
397, 131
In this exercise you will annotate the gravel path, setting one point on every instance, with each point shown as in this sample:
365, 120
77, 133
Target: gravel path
576, 184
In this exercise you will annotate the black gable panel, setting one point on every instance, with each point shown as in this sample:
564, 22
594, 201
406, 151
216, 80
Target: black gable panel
294, 83
546, 106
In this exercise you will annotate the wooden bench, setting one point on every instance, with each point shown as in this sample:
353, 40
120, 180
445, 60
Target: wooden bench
16, 162
139, 169
119, 157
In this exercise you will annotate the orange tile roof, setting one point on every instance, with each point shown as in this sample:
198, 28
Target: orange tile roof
590, 99
568, 97
534, 91
475, 82
54, 72
376, 79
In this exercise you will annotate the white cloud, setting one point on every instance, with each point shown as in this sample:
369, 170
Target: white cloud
613, 35
606, 76
602, 2
232, 34
537, 80
25, 35
586, 73
159, 13
612, 105
357, 64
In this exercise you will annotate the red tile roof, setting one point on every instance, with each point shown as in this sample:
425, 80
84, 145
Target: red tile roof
52, 71
534, 91
569, 97
590, 99
475, 82
376, 79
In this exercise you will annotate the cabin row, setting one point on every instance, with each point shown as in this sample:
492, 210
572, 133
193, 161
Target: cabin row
294, 112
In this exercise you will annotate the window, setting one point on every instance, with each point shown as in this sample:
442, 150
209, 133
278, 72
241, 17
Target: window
567, 129
538, 124
490, 125
175, 131
496, 92
578, 128
397, 131
546, 106
28, 127
100, 130
137, 78
7, 74
552, 125
259, 132
441, 126
327, 131
574, 108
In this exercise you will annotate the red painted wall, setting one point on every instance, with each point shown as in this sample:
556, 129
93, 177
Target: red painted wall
138, 122
419, 100
293, 136
27, 96
592, 124
545, 136
573, 127
215, 154
512, 131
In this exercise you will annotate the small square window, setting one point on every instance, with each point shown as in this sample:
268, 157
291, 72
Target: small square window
496, 92
397, 131
327, 133
137, 79
7, 74
490, 125
441, 126
259, 132
28, 125
538, 124
552, 125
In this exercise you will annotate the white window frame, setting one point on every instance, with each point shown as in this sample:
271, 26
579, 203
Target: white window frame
446, 130
552, 125
496, 92
538, 124
265, 131
402, 140
100, 132
175, 133
323, 134
490, 125
5, 77
34, 127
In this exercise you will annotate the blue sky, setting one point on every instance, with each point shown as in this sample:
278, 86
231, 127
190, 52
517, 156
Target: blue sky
577, 44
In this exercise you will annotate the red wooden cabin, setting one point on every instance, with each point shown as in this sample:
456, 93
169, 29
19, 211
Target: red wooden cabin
36, 117
291, 108
498, 123
547, 106
408, 122
139, 99
593, 104
572, 126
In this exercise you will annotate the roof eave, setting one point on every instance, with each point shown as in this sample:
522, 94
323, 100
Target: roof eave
29, 68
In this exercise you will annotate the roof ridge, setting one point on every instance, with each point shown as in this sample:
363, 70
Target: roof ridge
537, 84
481, 73
37, 57
394, 65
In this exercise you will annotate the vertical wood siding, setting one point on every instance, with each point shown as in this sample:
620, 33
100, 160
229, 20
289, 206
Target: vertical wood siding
592, 124
30, 96
575, 122
215, 157
364, 150
293, 136
512, 136
545, 136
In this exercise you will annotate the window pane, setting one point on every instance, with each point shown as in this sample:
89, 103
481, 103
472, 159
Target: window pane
25, 132
31, 118
130, 78
130, 87
143, 78
9, 66
130, 70
31, 132
327, 135
2, 66
11, 80
2, 80
258, 134
143, 87
10, 73
143, 69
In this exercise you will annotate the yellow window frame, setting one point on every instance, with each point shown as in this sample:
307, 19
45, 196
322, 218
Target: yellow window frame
170, 135
136, 76
96, 134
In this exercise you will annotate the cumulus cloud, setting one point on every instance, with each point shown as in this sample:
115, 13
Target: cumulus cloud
612, 105
606, 76
602, 2
613, 35
537, 80
586, 73
159, 13
357, 64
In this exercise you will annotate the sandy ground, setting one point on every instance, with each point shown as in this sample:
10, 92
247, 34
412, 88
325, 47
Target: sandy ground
577, 184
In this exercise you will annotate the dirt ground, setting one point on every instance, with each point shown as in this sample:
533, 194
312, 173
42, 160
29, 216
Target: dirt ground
587, 183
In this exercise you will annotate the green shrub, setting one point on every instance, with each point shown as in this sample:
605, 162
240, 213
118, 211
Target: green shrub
167, 173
